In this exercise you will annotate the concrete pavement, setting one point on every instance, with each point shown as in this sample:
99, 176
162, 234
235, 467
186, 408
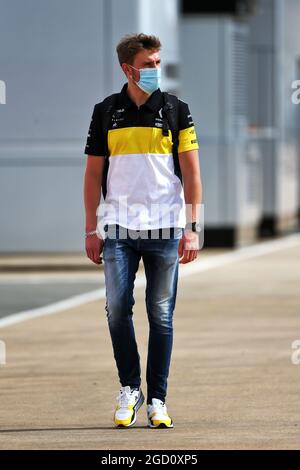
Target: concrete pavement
232, 383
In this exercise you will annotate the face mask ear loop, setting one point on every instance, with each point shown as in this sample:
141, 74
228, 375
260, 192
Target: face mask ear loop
131, 75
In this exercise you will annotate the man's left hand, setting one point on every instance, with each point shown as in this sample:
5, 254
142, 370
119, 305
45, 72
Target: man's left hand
188, 246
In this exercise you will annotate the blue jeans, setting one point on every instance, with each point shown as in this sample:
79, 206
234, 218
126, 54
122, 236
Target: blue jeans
121, 255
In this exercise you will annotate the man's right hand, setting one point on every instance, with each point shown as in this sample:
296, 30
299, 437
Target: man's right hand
93, 248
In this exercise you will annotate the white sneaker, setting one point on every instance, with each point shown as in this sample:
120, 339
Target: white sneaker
129, 402
157, 415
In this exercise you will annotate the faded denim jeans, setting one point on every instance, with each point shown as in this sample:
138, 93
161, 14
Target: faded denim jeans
122, 252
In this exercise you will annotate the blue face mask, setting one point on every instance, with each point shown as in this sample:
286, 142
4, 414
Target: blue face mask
149, 79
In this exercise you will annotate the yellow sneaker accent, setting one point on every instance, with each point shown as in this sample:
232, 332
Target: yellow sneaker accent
157, 422
129, 402
158, 415
123, 422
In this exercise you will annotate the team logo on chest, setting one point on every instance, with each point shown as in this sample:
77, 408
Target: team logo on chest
158, 120
117, 116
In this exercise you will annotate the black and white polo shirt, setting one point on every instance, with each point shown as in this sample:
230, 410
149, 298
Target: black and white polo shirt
143, 191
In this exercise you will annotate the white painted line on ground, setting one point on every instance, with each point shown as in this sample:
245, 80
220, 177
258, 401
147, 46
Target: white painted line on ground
50, 278
198, 266
241, 254
52, 308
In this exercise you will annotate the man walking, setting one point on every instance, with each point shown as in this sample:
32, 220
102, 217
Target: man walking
150, 212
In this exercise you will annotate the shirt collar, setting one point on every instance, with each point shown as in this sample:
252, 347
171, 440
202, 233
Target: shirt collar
154, 102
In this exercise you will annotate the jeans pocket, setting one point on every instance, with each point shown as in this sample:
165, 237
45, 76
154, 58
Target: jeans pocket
109, 249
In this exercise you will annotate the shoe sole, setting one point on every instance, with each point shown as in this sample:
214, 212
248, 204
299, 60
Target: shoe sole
135, 409
160, 426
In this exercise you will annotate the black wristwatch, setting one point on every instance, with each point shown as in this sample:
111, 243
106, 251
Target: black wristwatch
193, 226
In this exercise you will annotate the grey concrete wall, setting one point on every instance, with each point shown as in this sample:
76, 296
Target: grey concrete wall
240, 90
274, 48
213, 82
52, 63
58, 58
